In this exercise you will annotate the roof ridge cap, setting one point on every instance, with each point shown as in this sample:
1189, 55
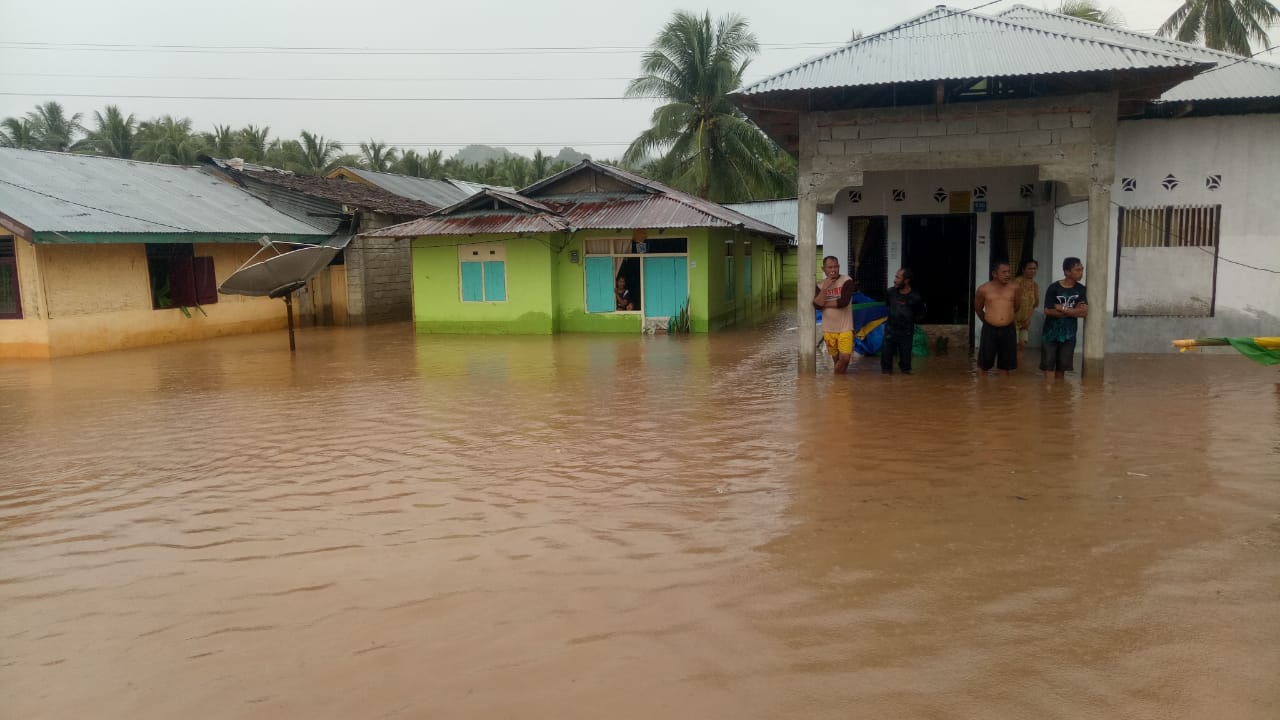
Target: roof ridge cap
1134, 33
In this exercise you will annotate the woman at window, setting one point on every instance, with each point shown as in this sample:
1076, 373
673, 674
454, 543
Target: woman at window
622, 295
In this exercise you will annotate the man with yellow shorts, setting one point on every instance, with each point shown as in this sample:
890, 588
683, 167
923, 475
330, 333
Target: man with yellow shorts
835, 292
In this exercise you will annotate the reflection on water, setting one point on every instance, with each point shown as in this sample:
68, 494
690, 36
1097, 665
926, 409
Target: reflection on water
391, 525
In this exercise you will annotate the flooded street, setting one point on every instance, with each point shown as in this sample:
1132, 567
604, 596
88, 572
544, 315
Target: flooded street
392, 525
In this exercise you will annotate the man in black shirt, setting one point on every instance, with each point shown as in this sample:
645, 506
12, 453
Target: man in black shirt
906, 308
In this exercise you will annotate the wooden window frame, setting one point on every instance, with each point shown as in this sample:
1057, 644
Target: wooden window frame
614, 256
10, 260
497, 253
178, 259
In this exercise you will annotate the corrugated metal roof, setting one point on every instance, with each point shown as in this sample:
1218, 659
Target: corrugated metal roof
653, 205
492, 197
475, 223
727, 216
952, 44
782, 214
352, 194
60, 192
1236, 78
438, 193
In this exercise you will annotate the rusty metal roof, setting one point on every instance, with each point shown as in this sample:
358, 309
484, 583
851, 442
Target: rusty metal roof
356, 195
953, 44
54, 193
438, 193
1233, 77
651, 205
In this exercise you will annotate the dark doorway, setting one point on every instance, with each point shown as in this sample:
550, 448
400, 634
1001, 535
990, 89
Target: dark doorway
939, 250
1013, 238
869, 253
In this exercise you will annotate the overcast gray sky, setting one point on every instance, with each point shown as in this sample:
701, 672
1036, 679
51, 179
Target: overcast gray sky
450, 62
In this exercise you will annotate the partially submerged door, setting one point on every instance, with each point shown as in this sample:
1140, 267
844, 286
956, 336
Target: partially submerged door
666, 285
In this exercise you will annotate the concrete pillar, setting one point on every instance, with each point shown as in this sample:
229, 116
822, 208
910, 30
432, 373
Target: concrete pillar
1097, 270
806, 261
1097, 253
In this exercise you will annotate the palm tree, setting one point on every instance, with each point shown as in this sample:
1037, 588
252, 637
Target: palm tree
19, 133
541, 165
252, 142
377, 156
54, 129
168, 140
706, 145
317, 154
1091, 11
1227, 25
114, 134
423, 166
285, 154
223, 141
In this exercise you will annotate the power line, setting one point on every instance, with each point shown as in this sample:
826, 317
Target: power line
81, 76
522, 143
1237, 62
1178, 237
272, 98
302, 50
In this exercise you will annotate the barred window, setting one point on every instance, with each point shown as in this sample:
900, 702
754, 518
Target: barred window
1167, 261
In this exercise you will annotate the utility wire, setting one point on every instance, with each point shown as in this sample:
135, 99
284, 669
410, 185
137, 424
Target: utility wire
509, 50
81, 76
1175, 236
1237, 62
584, 98
288, 50
1172, 234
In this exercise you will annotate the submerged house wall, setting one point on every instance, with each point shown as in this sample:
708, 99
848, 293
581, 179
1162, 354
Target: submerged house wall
97, 297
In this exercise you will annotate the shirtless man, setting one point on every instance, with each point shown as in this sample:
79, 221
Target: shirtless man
996, 304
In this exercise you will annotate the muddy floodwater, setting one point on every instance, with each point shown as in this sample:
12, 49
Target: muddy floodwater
390, 525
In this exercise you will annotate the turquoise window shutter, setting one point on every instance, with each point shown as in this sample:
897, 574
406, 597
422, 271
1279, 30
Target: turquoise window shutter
666, 285
728, 278
495, 281
472, 282
746, 276
600, 285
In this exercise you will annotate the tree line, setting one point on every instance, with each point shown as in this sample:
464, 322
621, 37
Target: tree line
173, 140
698, 141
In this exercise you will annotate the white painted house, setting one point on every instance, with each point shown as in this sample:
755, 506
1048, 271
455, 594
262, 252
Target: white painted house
955, 139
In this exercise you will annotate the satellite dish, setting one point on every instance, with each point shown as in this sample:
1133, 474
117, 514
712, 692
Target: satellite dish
291, 266
280, 274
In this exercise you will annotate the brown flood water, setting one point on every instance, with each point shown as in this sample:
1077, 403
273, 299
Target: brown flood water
400, 526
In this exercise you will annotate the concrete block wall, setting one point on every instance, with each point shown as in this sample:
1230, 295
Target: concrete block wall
1054, 133
379, 285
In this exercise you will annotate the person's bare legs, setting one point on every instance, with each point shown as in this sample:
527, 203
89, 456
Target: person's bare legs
842, 364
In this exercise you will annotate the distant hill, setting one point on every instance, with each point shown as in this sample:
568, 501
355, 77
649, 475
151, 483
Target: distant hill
570, 155
481, 154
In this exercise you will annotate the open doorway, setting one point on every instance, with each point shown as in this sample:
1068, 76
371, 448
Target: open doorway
868, 261
940, 251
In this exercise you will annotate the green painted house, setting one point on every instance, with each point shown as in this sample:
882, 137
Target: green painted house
591, 249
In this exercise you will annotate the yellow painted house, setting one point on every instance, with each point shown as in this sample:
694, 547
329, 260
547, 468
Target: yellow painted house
102, 254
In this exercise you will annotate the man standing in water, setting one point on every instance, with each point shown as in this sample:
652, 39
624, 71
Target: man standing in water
996, 304
1064, 301
833, 297
906, 308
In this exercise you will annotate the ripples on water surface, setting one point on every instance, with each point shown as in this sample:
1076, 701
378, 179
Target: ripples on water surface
401, 526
